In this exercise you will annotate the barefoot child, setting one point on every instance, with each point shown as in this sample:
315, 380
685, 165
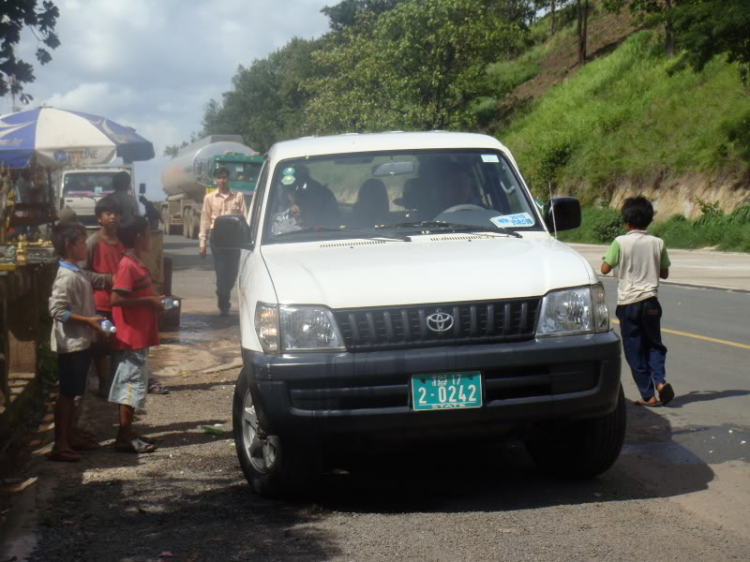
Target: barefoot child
103, 257
642, 259
135, 310
75, 325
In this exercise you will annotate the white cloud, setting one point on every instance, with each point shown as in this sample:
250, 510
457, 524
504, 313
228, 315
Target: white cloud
154, 64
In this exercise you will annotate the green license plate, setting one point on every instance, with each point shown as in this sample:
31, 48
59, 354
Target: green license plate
446, 391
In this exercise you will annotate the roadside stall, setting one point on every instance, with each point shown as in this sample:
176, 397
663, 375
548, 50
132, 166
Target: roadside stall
35, 145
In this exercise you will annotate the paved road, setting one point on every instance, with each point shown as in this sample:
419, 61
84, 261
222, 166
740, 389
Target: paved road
680, 490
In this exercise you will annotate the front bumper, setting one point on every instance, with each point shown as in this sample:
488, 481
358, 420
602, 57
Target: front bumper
359, 393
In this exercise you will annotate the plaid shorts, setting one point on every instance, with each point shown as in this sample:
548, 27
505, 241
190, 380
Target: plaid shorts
130, 381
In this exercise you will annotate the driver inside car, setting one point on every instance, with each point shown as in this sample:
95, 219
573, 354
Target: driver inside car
452, 186
311, 204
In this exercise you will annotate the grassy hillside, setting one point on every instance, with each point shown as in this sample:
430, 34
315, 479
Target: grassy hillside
632, 114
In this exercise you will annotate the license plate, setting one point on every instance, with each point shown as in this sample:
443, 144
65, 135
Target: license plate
446, 391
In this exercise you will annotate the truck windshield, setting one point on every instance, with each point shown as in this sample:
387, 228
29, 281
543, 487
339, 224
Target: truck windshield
323, 197
88, 184
242, 171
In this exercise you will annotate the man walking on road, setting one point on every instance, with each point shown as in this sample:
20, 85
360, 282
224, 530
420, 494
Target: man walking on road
226, 262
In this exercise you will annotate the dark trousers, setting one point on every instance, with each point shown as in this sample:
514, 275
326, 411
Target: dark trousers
226, 265
640, 327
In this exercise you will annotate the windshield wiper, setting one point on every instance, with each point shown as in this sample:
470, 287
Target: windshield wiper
351, 232
453, 227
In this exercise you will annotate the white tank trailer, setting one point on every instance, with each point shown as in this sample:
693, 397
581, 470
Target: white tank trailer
186, 178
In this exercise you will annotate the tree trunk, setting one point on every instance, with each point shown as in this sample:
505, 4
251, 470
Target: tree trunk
553, 4
669, 30
583, 16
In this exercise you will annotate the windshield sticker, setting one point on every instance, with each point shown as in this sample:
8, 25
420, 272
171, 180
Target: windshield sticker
519, 219
287, 180
289, 171
490, 158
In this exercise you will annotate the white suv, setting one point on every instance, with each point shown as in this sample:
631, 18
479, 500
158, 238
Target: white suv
399, 281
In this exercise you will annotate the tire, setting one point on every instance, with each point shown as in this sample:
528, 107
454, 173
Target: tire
186, 223
581, 448
277, 468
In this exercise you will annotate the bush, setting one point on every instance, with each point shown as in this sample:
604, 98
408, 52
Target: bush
608, 226
741, 215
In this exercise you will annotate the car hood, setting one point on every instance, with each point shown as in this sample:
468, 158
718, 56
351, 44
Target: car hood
430, 269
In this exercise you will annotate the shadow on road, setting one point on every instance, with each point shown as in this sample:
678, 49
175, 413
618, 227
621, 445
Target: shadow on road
705, 396
213, 519
460, 477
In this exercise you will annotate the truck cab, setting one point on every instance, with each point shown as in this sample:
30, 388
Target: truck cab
81, 188
243, 172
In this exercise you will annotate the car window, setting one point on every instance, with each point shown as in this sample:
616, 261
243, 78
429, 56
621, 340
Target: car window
319, 195
260, 190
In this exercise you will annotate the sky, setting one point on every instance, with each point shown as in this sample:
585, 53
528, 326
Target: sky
154, 64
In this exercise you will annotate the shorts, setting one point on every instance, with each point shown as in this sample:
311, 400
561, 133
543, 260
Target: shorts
73, 368
130, 380
102, 347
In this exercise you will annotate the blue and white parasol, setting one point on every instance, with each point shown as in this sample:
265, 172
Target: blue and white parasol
57, 137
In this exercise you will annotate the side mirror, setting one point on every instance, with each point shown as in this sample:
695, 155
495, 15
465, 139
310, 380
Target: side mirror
562, 213
231, 232
142, 189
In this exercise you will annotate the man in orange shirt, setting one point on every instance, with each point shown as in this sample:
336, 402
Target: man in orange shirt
221, 202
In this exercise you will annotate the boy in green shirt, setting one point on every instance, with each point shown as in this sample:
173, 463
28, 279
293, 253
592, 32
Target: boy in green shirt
640, 260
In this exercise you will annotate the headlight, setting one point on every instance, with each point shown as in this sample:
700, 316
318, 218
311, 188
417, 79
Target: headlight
297, 328
309, 328
574, 311
267, 327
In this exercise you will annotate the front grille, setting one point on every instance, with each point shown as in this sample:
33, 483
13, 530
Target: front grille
369, 329
361, 393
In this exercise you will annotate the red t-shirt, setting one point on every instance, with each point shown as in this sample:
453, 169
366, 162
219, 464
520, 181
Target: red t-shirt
106, 259
137, 326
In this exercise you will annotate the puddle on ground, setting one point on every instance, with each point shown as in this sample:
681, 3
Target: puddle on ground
204, 328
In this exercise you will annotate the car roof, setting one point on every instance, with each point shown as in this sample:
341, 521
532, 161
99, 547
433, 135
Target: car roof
379, 142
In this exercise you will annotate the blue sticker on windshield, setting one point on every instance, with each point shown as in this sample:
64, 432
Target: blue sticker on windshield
287, 180
513, 221
289, 171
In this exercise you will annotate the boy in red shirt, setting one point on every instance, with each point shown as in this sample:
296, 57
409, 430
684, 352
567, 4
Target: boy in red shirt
104, 253
135, 312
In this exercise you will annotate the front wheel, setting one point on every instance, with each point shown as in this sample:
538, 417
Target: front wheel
581, 448
273, 467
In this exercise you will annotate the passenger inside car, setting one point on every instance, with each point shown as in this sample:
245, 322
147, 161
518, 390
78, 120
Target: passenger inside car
372, 206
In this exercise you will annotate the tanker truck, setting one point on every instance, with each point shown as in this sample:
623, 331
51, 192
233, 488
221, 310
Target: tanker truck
188, 177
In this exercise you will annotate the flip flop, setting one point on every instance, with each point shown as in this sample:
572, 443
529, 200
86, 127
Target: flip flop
666, 394
149, 440
64, 456
647, 404
158, 388
136, 446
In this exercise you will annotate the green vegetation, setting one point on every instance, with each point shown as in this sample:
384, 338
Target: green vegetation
713, 229
623, 116
670, 100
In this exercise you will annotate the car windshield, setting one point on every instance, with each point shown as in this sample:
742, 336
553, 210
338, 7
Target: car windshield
404, 192
88, 184
241, 171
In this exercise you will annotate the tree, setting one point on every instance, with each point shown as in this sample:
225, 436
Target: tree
267, 101
552, 6
652, 13
582, 29
706, 28
14, 16
345, 13
415, 67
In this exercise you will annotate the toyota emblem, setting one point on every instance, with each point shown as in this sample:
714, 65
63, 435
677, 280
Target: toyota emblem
440, 322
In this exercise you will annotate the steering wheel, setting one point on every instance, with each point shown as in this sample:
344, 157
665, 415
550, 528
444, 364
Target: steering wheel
463, 207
